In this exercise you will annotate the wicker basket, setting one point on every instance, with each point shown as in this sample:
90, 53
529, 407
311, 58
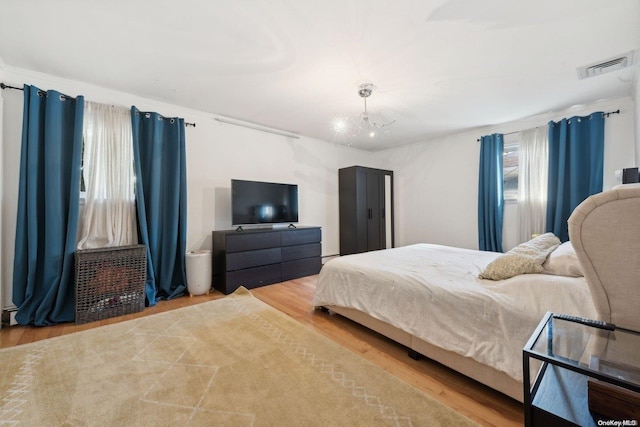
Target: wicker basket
110, 282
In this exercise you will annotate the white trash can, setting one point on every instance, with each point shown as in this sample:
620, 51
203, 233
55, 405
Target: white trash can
199, 270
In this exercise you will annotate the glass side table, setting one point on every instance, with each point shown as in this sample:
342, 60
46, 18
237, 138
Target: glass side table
584, 375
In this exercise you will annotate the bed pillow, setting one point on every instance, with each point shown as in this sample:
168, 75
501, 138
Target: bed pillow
525, 258
563, 262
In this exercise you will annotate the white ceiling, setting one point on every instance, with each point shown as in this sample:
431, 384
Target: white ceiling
439, 66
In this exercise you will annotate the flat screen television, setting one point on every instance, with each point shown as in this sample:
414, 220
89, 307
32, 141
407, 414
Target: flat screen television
255, 202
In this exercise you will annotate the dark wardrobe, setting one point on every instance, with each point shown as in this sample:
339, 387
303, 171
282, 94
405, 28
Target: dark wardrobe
366, 209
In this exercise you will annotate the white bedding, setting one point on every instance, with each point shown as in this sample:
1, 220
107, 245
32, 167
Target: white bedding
433, 292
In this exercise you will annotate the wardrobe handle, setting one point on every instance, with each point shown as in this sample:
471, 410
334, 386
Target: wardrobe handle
369, 213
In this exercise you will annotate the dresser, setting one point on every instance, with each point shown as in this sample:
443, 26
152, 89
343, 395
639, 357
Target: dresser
262, 256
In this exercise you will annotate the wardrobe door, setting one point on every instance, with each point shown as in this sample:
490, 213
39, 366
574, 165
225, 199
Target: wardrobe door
386, 211
353, 210
375, 210
362, 211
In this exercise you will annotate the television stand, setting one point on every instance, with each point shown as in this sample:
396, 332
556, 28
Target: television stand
262, 256
291, 226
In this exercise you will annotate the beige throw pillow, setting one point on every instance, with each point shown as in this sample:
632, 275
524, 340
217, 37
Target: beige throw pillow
527, 257
563, 262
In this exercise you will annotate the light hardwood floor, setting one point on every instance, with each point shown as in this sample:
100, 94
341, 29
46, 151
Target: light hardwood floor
474, 400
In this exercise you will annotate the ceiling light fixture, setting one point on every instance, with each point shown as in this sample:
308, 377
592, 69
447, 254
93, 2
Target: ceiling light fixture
367, 123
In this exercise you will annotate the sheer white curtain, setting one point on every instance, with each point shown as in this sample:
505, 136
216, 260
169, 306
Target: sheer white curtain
532, 181
109, 217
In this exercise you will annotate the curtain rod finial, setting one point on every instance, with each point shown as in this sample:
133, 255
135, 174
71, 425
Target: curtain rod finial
6, 86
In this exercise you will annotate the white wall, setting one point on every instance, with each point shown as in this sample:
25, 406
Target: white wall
216, 153
436, 181
636, 98
2, 263
11, 122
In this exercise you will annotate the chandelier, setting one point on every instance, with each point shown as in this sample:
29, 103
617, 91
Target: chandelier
369, 124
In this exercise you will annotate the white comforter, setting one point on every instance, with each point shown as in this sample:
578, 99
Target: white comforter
433, 292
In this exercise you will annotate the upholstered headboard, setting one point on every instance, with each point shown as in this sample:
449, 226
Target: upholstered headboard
605, 233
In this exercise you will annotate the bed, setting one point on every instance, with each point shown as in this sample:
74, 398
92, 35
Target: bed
430, 298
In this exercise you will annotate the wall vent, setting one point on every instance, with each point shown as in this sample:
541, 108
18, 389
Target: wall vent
607, 66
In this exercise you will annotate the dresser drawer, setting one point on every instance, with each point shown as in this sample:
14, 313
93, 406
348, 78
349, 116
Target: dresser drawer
253, 277
249, 259
310, 250
248, 241
301, 236
300, 268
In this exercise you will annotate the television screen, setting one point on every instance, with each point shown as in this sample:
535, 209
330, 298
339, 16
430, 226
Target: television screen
254, 202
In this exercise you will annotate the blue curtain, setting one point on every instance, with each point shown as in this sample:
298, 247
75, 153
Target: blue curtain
48, 200
490, 195
161, 198
576, 153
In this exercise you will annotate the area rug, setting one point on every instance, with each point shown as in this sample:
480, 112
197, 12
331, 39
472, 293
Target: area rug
234, 361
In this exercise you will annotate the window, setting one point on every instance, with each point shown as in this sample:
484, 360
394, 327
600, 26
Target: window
109, 216
510, 167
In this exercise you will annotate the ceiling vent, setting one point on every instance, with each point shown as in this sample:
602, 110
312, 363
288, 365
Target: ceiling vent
612, 64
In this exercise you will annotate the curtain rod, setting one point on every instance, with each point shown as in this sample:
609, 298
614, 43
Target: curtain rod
40, 92
604, 114
5, 86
